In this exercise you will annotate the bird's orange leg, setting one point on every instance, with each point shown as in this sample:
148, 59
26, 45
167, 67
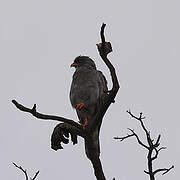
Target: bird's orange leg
80, 106
85, 123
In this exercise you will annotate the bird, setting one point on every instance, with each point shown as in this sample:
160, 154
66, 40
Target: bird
88, 89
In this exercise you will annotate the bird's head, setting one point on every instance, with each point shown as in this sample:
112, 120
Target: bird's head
83, 61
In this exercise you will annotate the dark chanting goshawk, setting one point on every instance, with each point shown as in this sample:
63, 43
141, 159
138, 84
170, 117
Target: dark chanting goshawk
87, 89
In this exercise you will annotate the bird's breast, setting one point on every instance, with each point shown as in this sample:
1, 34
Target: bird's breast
84, 88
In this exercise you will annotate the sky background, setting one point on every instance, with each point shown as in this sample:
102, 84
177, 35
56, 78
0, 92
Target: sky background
39, 39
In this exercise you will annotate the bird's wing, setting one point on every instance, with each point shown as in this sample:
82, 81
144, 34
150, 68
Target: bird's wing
85, 88
102, 83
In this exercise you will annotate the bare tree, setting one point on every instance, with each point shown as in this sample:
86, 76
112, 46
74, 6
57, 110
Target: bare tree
25, 172
69, 127
153, 147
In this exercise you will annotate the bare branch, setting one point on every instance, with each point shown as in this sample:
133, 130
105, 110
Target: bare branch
102, 34
125, 137
104, 49
24, 171
45, 116
162, 148
146, 172
157, 141
130, 135
35, 175
156, 155
166, 170
139, 141
135, 117
157, 152
140, 118
152, 147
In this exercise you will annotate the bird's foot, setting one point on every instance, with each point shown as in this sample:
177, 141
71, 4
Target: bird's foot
85, 123
80, 106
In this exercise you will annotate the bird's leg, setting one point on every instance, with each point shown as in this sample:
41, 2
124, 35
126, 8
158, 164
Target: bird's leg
80, 106
85, 123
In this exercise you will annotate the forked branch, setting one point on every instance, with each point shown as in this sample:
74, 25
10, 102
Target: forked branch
25, 172
150, 145
130, 135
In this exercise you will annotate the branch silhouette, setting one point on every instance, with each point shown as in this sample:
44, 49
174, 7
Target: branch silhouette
68, 127
152, 147
25, 172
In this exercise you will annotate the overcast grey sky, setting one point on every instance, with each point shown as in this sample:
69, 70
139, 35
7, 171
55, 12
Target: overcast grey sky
38, 41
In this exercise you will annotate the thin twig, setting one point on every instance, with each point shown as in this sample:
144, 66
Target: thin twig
125, 137
102, 34
35, 175
130, 135
138, 139
24, 171
166, 170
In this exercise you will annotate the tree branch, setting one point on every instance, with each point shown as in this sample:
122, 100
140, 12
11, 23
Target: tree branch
35, 175
130, 135
166, 170
104, 49
150, 147
157, 152
139, 141
140, 118
125, 137
45, 116
25, 172
157, 141
146, 172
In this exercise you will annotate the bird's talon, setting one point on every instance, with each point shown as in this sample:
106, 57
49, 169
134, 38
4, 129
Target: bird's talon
80, 106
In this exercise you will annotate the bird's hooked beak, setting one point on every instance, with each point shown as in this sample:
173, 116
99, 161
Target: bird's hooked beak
74, 65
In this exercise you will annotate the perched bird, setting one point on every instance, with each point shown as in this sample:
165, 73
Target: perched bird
87, 89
